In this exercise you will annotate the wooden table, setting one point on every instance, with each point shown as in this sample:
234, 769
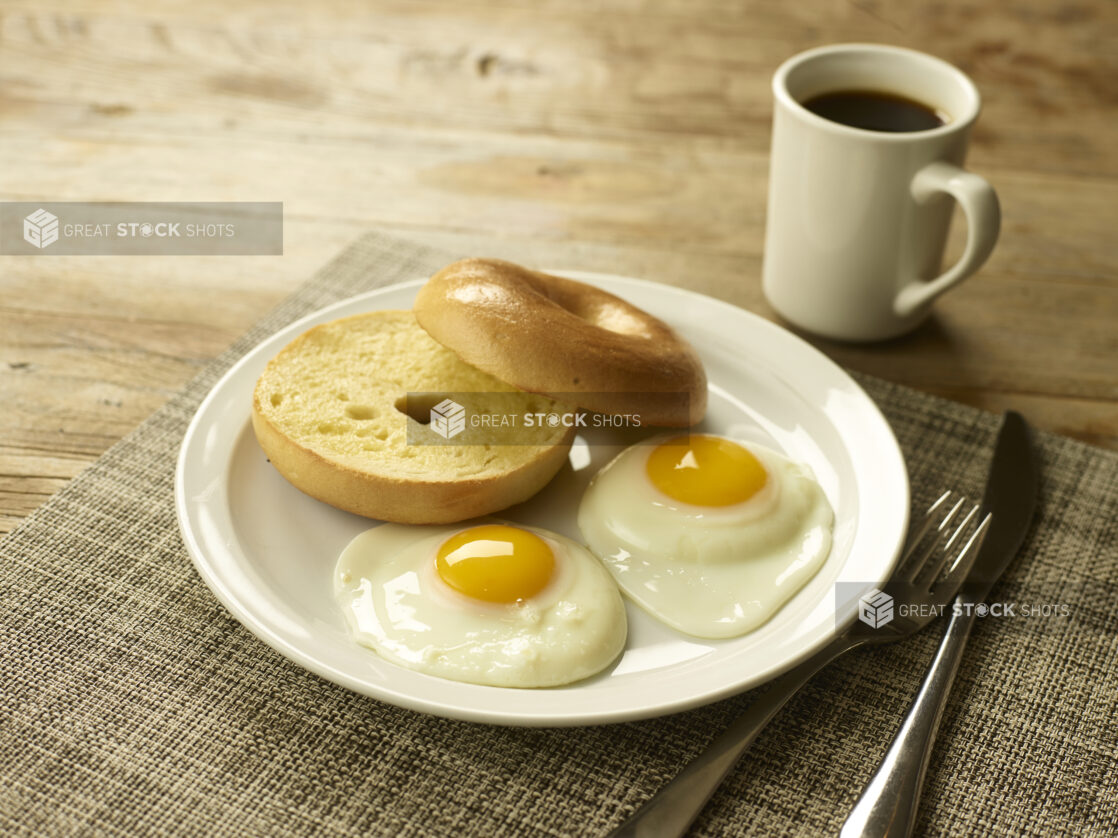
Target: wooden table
629, 135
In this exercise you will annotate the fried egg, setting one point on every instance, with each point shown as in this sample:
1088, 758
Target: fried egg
492, 604
708, 535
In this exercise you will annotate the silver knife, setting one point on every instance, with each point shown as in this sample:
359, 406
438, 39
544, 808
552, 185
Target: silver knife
889, 801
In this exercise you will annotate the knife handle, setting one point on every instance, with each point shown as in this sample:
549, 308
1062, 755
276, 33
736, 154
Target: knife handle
889, 802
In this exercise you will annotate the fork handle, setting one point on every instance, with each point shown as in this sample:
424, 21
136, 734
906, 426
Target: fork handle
889, 802
669, 812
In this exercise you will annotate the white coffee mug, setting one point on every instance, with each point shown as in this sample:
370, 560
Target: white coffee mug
858, 218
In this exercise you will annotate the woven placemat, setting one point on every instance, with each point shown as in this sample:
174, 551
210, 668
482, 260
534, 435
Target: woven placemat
132, 703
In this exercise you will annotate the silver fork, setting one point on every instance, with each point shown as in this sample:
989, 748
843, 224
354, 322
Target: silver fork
919, 582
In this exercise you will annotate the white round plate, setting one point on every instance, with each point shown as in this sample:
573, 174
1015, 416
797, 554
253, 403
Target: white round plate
268, 551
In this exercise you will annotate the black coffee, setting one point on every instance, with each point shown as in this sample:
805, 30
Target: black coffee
874, 111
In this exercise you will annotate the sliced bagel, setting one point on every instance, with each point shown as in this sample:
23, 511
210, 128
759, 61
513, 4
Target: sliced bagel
331, 413
552, 335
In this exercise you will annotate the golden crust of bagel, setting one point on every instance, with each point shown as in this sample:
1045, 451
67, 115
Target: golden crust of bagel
552, 335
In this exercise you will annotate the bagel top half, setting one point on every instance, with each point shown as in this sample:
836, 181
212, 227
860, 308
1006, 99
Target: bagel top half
573, 341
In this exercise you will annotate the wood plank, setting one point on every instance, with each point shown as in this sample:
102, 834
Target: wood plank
633, 75
529, 187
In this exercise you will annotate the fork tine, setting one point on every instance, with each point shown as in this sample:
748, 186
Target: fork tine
940, 501
965, 560
917, 537
915, 566
962, 527
934, 568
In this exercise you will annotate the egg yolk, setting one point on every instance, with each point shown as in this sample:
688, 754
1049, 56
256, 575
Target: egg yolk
496, 563
705, 471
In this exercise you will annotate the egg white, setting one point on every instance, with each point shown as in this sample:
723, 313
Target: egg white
395, 603
707, 571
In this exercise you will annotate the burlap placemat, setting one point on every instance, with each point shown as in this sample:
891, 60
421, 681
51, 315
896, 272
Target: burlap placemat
131, 702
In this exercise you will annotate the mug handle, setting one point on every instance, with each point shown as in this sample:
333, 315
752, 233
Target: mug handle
980, 205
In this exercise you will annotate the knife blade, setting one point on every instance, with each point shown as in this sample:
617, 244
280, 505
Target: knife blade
1011, 496
888, 805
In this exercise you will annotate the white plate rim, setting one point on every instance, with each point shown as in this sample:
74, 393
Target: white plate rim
888, 540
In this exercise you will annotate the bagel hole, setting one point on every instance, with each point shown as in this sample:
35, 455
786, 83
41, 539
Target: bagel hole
615, 318
417, 407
